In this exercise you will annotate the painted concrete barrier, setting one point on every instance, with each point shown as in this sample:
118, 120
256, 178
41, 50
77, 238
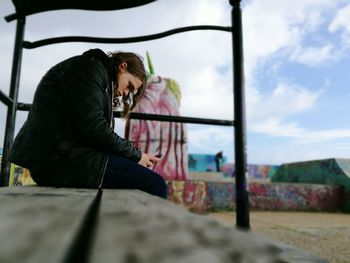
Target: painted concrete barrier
201, 196
327, 172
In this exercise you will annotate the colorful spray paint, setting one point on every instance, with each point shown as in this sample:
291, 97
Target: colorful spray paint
166, 139
327, 171
202, 196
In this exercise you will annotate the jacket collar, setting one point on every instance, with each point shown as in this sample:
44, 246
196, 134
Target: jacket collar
101, 56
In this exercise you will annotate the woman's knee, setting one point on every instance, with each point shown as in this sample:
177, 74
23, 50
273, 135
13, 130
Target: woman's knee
160, 187
164, 189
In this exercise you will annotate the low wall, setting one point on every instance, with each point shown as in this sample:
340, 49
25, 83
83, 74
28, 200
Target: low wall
326, 171
255, 171
203, 196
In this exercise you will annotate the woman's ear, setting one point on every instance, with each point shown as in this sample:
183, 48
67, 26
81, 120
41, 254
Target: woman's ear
122, 67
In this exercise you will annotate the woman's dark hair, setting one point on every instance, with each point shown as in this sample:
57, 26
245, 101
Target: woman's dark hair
136, 68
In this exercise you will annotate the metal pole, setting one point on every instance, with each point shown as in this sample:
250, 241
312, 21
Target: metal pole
11, 110
242, 194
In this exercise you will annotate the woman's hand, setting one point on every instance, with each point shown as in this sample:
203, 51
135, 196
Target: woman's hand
148, 160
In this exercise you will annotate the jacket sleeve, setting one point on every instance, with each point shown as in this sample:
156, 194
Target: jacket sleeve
86, 93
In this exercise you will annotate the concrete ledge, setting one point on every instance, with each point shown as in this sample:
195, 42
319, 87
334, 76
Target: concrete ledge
42, 224
137, 227
39, 224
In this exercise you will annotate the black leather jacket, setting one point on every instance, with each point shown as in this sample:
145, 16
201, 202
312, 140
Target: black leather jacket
69, 131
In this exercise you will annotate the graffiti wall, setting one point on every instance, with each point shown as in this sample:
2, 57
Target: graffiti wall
296, 197
206, 163
255, 171
191, 194
202, 196
166, 139
19, 176
327, 171
203, 162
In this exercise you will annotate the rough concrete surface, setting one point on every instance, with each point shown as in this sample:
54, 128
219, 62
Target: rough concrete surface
134, 227
326, 235
37, 224
128, 226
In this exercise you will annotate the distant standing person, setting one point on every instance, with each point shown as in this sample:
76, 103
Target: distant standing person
68, 139
218, 160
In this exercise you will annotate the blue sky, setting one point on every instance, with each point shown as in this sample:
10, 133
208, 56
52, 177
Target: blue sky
296, 53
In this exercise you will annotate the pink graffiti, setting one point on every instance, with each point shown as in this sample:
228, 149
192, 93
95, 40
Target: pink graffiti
167, 139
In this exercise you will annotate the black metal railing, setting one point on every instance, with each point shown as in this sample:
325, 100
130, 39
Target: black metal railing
56, 40
169, 118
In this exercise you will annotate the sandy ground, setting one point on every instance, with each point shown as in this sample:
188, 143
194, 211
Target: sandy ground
326, 235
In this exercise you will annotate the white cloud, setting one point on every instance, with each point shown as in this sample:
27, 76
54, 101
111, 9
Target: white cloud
279, 31
280, 27
325, 135
341, 23
266, 31
209, 95
287, 152
210, 140
206, 139
283, 101
313, 55
274, 127
313, 20
341, 20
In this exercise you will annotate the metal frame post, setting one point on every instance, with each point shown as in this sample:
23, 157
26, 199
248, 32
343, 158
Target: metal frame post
242, 194
11, 110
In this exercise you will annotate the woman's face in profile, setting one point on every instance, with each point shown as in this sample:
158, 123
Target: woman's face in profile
126, 82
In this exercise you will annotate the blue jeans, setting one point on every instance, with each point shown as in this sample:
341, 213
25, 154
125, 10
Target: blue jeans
122, 173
